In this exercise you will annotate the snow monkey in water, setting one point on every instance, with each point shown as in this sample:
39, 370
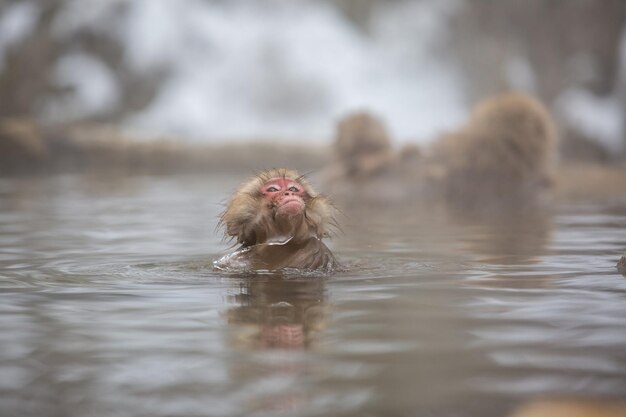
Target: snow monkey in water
505, 153
280, 221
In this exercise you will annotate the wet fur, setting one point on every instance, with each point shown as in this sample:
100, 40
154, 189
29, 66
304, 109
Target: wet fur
506, 152
250, 220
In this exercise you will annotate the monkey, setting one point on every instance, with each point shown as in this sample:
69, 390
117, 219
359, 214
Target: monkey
365, 166
506, 153
362, 145
285, 314
504, 156
280, 221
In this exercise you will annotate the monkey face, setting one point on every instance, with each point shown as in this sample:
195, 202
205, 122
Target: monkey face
277, 203
285, 196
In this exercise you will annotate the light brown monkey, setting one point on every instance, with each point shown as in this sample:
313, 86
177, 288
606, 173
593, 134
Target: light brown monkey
365, 167
505, 153
279, 220
362, 145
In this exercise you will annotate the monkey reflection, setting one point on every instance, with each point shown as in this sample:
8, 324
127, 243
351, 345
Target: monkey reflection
495, 173
491, 176
275, 313
278, 313
509, 237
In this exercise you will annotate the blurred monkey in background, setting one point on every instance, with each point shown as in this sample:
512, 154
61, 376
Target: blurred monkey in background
506, 153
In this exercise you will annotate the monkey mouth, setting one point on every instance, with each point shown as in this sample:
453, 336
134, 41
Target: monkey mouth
290, 206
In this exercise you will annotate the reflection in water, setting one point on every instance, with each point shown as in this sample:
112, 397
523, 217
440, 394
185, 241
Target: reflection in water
498, 237
506, 236
109, 306
277, 313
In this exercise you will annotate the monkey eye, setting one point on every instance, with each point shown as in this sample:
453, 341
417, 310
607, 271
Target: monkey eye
271, 189
293, 189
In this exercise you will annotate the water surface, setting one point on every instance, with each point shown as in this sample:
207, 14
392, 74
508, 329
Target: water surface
110, 307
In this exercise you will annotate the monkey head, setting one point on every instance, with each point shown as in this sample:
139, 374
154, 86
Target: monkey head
363, 145
277, 204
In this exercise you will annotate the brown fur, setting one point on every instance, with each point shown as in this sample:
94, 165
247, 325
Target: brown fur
252, 222
365, 167
362, 145
506, 152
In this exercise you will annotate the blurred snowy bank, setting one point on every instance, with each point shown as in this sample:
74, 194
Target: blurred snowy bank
240, 70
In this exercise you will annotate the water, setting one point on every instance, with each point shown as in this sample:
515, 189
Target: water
109, 307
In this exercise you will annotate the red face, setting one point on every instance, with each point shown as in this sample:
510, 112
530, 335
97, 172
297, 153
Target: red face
285, 194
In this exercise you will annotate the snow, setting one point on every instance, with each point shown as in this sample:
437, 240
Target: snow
93, 87
275, 69
240, 70
15, 23
598, 118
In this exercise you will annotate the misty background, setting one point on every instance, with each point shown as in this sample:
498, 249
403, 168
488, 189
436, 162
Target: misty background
219, 71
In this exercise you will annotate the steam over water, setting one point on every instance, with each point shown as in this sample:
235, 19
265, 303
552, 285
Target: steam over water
109, 306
